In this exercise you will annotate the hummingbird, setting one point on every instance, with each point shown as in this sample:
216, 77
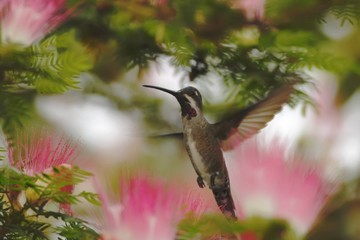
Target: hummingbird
205, 142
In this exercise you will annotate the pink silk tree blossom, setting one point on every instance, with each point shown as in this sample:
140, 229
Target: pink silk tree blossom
148, 210
253, 9
33, 153
39, 153
267, 184
3, 3
25, 22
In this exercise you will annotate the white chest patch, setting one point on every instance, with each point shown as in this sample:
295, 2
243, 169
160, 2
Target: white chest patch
198, 161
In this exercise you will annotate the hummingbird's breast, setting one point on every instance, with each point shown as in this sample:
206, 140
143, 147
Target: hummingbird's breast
204, 149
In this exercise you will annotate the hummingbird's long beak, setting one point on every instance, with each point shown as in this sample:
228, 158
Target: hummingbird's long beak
175, 94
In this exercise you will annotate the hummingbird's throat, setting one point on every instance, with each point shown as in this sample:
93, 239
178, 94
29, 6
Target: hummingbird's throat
190, 113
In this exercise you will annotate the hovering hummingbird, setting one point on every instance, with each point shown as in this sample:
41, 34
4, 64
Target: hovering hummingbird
204, 141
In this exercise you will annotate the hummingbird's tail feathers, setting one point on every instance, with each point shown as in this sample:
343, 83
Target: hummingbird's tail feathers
225, 201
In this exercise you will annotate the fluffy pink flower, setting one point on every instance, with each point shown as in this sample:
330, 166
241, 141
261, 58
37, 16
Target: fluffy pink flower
148, 210
253, 9
265, 183
39, 153
25, 22
33, 153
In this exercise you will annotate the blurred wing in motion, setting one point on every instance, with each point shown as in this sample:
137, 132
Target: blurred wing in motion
249, 121
177, 135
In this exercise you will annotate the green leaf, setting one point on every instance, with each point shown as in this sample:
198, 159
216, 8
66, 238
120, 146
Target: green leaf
2, 153
11, 179
310, 58
215, 225
59, 60
76, 229
288, 38
51, 186
15, 109
348, 12
90, 197
17, 225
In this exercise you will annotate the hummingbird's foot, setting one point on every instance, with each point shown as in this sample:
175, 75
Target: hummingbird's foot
200, 182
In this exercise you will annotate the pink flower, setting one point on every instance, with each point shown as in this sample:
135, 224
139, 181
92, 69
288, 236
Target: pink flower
160, 2
265, 183
33, 153
26, 22
39, 153
253, 9
3, 3
148, 210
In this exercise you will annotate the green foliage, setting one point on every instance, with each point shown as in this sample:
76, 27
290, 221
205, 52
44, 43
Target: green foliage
28, 220
349, 11
210, 19
277, 8
48, 67
288, 38
76, 229
49, 186
15, 109
2, 153
13, 180
52, 66
90, 197
14, 223
215, 225
200, 38
316, 59
15, 226
135, 39
59, 59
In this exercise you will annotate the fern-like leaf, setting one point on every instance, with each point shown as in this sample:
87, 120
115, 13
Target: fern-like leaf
75, 229
347, 13
59, 60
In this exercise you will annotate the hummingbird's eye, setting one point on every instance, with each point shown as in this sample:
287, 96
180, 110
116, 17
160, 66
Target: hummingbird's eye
195, 94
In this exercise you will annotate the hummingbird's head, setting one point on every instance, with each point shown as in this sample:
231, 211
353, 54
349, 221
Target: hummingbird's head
189, 99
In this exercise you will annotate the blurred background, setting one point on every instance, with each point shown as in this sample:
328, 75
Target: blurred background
82, 76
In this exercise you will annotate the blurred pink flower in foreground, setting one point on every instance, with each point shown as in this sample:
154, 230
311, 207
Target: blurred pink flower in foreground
253, 9
25, 22
148, 210
3, 3
159, 2
267, 184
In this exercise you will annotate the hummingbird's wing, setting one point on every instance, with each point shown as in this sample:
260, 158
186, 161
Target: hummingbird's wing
176, 135
249, 121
